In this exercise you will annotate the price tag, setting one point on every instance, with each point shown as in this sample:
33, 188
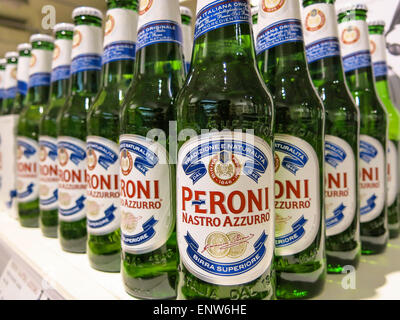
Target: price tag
17, 284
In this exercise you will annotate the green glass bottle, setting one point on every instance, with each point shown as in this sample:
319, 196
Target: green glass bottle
187, 35
355, 49
28, 130
343, 244
378, 52
299, 152
24, 59
149, 255
3, 63
10, 82
225, 167
71, 128
103, 197
59, 90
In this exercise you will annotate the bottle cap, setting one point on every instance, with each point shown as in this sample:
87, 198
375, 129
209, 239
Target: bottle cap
24, 46
41, 37
352, 7
376, 23
63, 27
86, 11
186, 11
11, 54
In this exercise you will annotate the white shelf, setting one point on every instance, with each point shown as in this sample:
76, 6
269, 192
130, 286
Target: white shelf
69, 276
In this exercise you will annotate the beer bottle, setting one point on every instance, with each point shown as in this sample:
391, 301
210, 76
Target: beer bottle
48, 175
71, 128
28, 129
3, 63
343, 245
24, 59
299, 151
10, 82
186, 18
355, 48
103, 197
378, 52
225, 167
149, 255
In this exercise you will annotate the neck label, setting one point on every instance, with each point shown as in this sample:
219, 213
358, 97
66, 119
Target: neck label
10, 83
40, 68
103, 215
86, 49
27, 169
372, 178
212, 15
159, 21
340, 185
354, 44
225, 214
278, 23
120, 35
320, 32
378, 53
61, 60
48, 174
71, 154
23, 74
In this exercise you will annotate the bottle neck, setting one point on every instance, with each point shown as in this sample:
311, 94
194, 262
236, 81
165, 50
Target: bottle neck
158, 60
85, 82
327, 70
60, 89
224, 46
361, 79
38, 95
382, 86
117, 72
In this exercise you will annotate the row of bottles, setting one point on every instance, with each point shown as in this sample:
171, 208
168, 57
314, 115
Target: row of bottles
282, 170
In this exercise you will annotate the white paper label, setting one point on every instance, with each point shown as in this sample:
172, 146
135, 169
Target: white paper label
372, 178
72, 178
297, 195
340, 185
103, 197
11, 76
27, 169
320, 31
61, 60
48, 174
392, 170
146, 209
225, 214
378, 52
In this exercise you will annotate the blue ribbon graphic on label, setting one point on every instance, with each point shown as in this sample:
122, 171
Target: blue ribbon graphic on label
85, 62
22, 87
367, 151
334, 154
79, 205
296, 158
226, 269
60, 73
221, 13
142, 237
357, 60
107, 156
253, 168
51, 200
121, 50
380, 69
294, 236
337, 216
29, 150
145, 160
52, 147
39, 79
323, 48
159, 31
13, 195
77, 153
370, 205
27, 193
108, 218
10, 93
